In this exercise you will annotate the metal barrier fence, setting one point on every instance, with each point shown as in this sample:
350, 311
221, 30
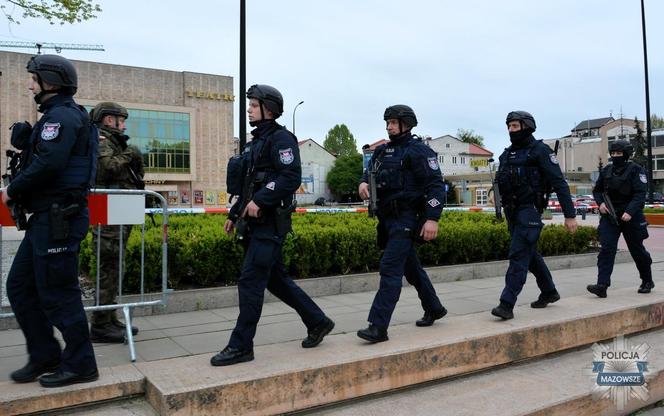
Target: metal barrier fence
116, 207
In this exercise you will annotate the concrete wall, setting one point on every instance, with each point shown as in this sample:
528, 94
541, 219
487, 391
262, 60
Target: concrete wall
316, 162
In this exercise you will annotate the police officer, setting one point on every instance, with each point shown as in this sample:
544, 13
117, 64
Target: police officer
272, 175
625, 184
410, 193
42, 286
528, 171
119, 166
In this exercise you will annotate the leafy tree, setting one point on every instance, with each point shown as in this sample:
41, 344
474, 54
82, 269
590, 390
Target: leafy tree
639, 143
656, 121
340, 141
53, 11
469, 136
344, 177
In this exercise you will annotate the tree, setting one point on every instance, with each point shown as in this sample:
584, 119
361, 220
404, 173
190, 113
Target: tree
344, 177
53, 11
656, 122
469, 136
639, 143
340, 141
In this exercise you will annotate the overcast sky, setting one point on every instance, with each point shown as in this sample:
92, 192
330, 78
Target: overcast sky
459, 64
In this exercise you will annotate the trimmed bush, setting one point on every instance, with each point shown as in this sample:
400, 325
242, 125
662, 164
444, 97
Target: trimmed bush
200, 254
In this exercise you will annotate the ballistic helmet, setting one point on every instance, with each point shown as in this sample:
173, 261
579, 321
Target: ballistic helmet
402, 113
54, 70
268, 96
622, 146
526, 119
107, 108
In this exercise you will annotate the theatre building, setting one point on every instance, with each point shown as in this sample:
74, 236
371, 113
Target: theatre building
181, 121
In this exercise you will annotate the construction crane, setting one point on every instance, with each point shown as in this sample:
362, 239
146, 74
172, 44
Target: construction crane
57, 46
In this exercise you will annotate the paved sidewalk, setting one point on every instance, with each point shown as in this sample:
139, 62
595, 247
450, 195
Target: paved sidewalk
190, 333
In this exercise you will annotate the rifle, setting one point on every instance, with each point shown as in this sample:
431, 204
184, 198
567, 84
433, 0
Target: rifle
373, 193
138, 182
544, 201
15, 208
496, 193
609, 206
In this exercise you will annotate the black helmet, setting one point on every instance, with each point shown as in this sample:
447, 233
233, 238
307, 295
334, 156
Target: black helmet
622, 146
107, 109
268, 96
401, 112
54, 70
527, 120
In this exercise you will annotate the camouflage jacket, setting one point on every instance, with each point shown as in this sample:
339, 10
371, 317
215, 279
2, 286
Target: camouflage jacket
117, 161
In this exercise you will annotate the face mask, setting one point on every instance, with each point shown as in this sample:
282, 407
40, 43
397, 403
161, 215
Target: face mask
519, 138
618, 161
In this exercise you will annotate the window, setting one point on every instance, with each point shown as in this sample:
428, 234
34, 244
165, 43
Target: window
440, 159
481, 196
163, 138
658, 162
463, 160
454, 160
447, 145
658, 140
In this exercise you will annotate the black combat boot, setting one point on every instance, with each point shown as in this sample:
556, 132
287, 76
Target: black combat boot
31, 371
646, 286
66, 378
106, 333
373, 334
545, 298
599, 290
230, 355
504, 311
429, 317
316, 335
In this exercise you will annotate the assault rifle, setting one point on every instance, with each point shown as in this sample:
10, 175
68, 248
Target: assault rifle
496, 193
15, 208
373, 193
609, 206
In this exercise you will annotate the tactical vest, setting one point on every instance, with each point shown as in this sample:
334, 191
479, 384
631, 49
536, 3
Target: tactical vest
519, 178
395, 180
619, 184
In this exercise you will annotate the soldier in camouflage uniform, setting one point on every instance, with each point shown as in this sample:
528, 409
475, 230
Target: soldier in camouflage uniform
119, 166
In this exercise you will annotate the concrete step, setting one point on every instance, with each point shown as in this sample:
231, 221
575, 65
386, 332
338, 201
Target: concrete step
561, 384
284, 377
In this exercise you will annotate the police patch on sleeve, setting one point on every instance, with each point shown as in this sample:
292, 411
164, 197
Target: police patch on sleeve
433, 202
433, 163
553, 158
270, 186
643, 178
50, 131
286, 156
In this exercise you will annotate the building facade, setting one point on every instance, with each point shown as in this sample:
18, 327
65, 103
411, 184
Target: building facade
181, 121
316, 164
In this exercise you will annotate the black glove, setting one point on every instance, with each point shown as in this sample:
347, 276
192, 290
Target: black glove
21, 131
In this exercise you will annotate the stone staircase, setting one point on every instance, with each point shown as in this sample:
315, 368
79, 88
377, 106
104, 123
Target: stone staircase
468, 360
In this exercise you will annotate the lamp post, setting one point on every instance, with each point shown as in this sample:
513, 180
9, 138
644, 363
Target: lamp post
298, 104
243, 75
648, 125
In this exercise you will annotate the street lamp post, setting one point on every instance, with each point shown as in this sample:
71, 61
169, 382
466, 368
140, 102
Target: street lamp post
298, 104
648, 124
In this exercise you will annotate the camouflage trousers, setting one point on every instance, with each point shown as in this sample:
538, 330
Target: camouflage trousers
109, 267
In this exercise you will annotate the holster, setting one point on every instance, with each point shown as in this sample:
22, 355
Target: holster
283, 222
58, 219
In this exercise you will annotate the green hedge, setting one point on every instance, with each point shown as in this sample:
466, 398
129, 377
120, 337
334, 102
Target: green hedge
200, 254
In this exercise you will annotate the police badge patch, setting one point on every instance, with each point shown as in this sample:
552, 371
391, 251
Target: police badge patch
286, 156
553, 158
50, 131
643, 178
433, 202
433, 163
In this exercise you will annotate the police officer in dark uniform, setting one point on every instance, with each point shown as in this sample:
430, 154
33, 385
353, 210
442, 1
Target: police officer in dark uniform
410, 201
58, 169
528, 171
625, 183
272, 175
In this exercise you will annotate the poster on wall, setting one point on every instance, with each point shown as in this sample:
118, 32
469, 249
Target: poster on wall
210, 197
184, 197
307, 185
198, 197
223, 198
172, 198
